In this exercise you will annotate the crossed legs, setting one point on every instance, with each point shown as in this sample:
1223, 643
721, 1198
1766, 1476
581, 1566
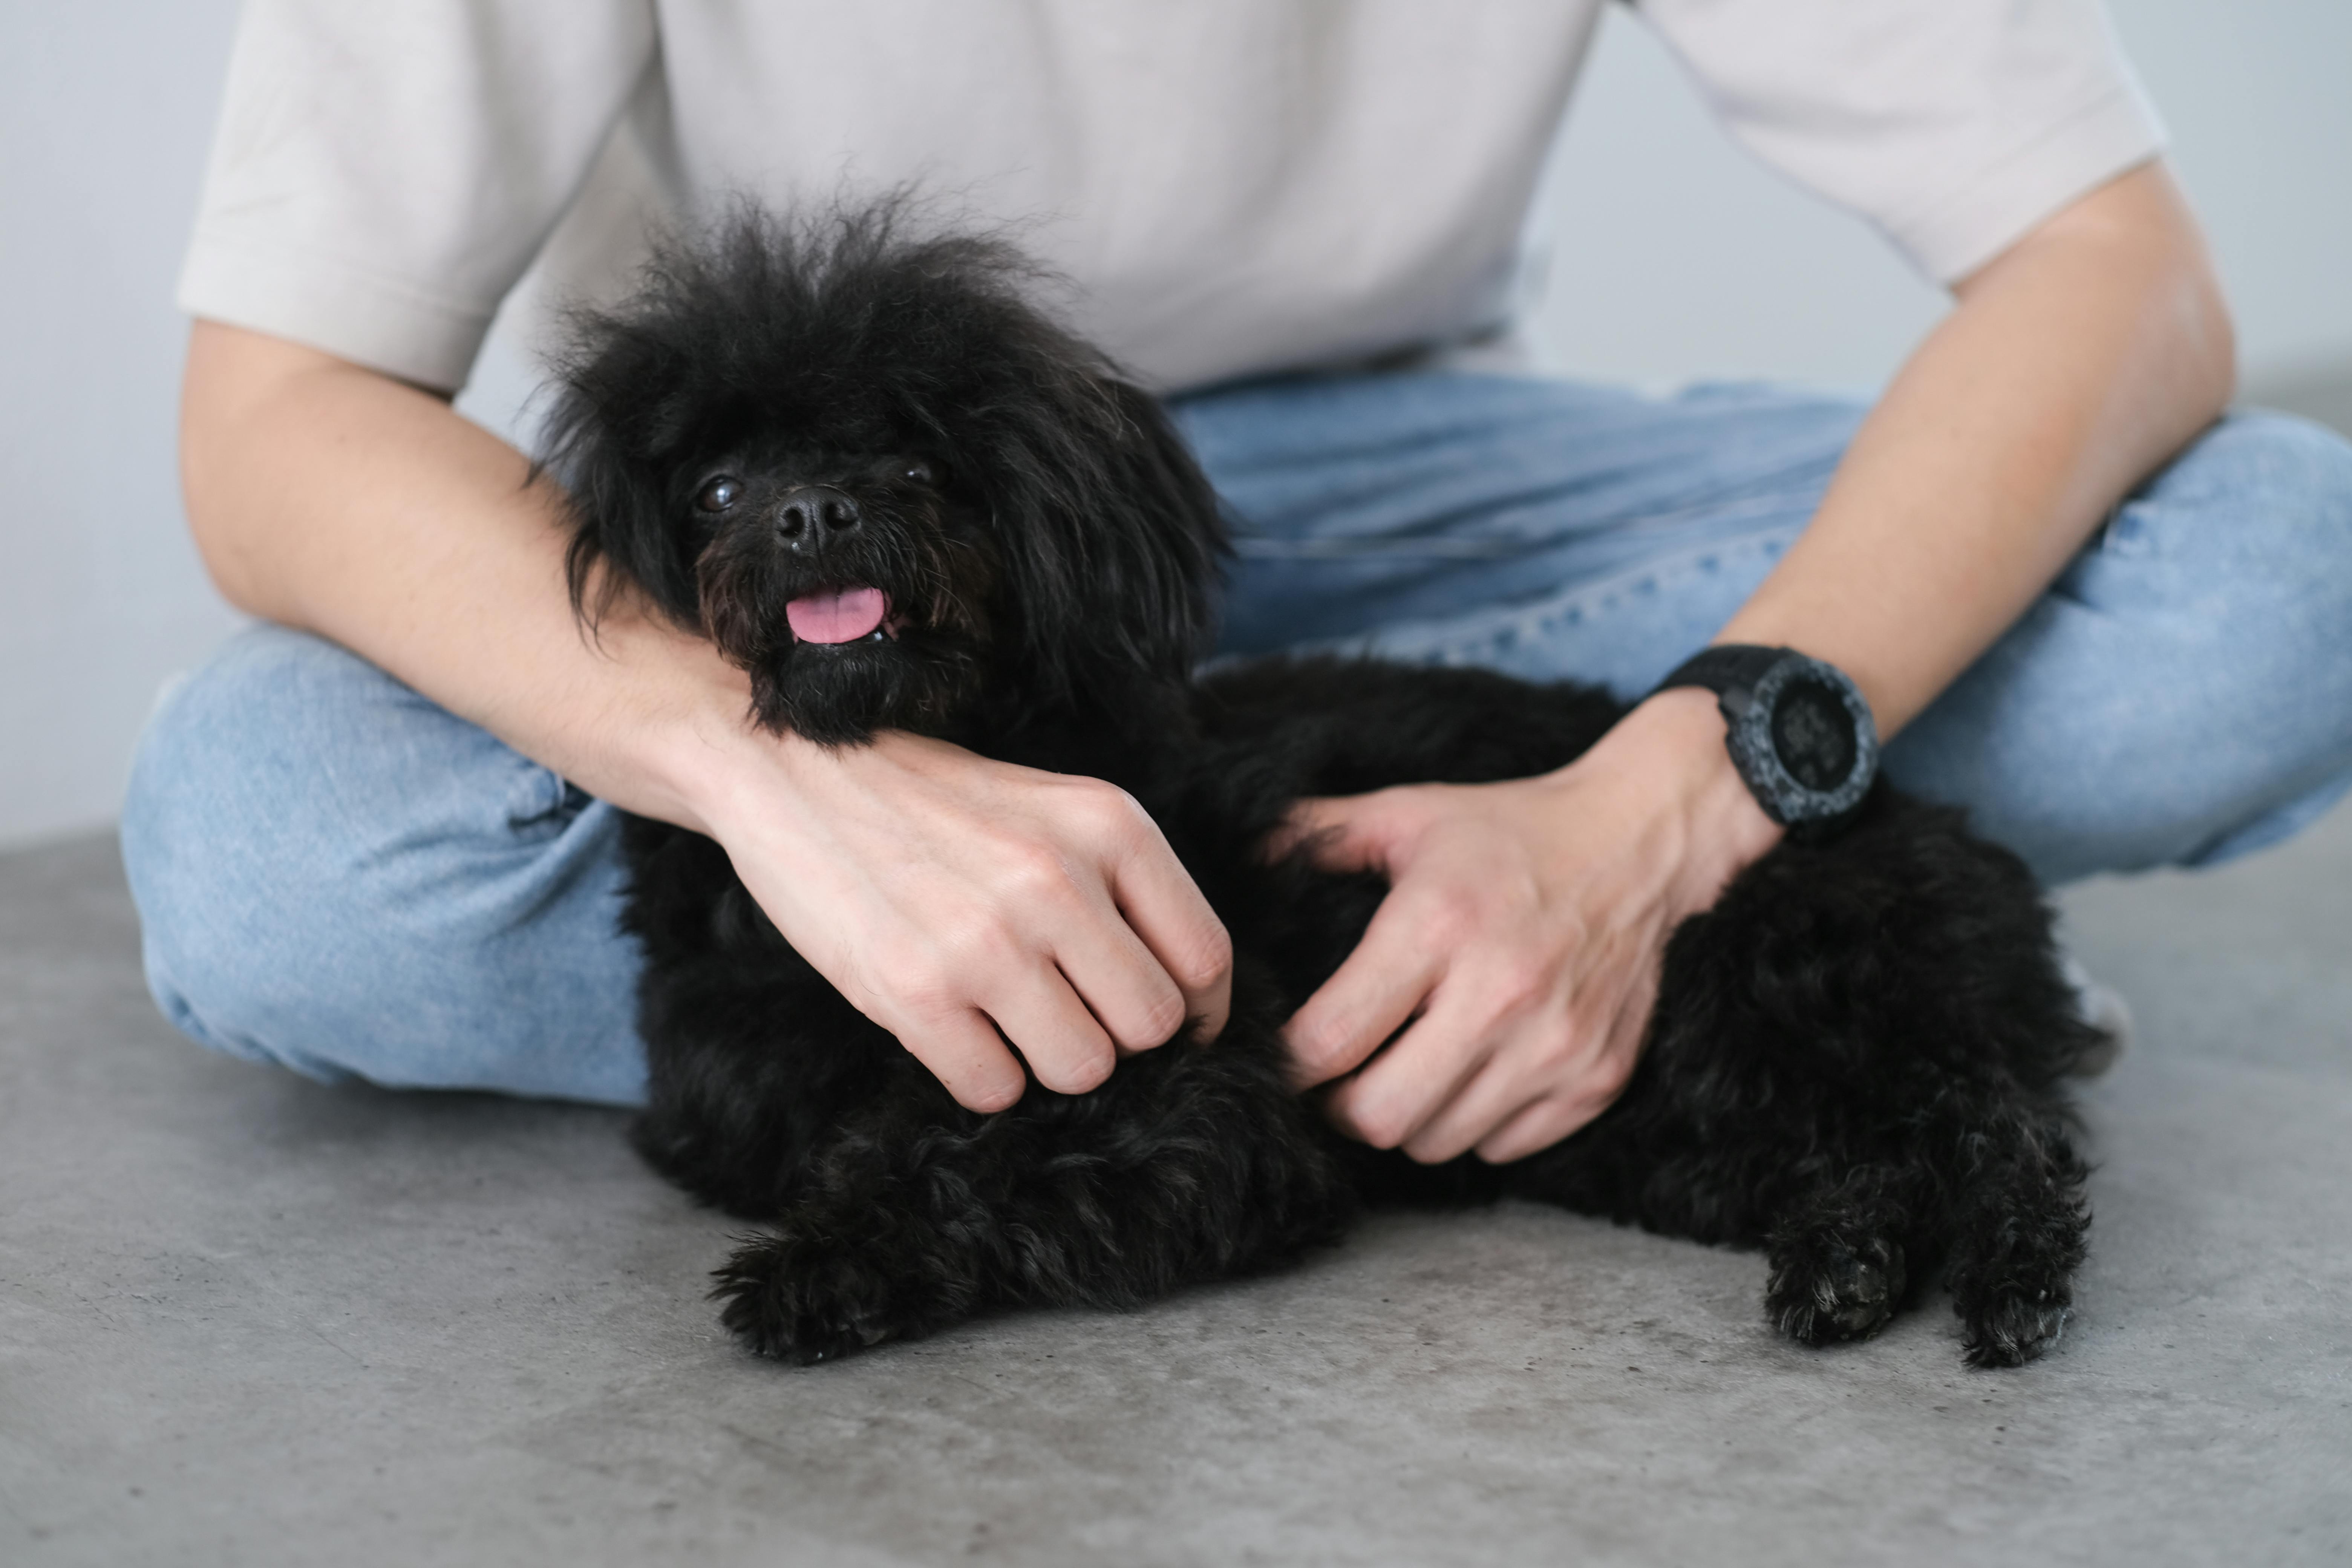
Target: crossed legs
338, 876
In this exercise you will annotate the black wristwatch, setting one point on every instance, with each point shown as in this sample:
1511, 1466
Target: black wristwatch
1800, 732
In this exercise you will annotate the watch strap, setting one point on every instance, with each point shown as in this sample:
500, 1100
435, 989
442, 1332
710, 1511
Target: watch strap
1726, 668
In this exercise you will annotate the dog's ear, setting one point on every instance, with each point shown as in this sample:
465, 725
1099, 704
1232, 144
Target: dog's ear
1112, 532
624, 409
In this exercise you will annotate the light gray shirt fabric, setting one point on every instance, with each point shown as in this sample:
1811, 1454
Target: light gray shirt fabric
1230, 186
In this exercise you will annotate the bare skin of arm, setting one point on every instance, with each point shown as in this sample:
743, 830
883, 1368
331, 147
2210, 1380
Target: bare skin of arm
1522, 935
948, 897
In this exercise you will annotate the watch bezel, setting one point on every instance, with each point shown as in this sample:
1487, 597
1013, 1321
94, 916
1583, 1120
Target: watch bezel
1785, 798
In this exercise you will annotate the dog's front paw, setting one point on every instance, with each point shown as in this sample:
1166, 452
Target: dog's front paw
2014, 1324
2012, 1278
791, 1300
805, 1294
1827, 1287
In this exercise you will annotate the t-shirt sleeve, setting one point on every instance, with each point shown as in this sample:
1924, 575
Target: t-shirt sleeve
1954, 125
383, 173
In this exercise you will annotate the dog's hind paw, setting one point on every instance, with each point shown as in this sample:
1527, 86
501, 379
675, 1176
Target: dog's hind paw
2014, 1326
1826, 1287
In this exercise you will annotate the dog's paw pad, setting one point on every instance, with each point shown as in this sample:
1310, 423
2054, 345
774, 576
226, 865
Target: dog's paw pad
1825, 1288
2017, 1326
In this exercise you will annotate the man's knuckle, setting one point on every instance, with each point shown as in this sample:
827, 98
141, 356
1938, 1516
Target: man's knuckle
1160, 1018
930, 996
1382, 1129
1205, 959
1106, 813
1559, 1047
1032, 874
1449, 916
1313, 1043
976, 953
1080, 1064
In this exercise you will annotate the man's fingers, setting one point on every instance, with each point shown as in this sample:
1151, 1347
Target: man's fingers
1055, 1035
1122, 982
1369, 997
1165, 909
1536, 1127
1390, 1103
1501, 1089
1513, 1109
967, 1055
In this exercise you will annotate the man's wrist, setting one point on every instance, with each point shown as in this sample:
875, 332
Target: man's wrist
1674, 741
678, 742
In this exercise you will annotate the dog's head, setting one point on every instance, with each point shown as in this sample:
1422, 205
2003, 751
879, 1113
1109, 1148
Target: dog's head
879, 480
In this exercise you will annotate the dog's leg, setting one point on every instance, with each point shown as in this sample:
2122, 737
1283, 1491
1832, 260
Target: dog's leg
747, 1079
1842, 1255
2017, 1220
1193, 1163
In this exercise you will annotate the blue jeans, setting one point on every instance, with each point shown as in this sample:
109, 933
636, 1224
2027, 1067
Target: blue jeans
337, 874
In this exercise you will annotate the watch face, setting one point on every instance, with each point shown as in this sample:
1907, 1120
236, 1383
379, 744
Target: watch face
1803, 740
1813, 733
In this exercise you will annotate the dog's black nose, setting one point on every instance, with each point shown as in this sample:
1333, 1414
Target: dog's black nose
815, 514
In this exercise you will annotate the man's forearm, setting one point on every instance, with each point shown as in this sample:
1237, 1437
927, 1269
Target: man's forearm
330, 499
957, 902
1506, 984
2075, 363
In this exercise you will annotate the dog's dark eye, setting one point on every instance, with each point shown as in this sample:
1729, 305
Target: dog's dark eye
919, 472
720, 493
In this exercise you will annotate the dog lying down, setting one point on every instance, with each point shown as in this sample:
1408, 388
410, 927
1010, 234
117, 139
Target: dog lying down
898, 496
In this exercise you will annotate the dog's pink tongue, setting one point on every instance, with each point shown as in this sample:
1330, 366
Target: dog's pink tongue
845, 617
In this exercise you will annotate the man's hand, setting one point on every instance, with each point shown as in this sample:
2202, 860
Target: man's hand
1522, 935
1523, 928
964, 904
947, 896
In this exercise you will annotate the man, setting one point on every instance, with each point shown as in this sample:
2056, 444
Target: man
353, 842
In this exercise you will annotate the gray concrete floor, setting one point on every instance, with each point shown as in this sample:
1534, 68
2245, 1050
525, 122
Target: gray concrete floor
246, 1320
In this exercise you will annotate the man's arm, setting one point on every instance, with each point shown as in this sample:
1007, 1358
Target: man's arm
1524, 925
946, 895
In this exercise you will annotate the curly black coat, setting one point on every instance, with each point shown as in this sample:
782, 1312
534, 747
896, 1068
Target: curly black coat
1856, 1058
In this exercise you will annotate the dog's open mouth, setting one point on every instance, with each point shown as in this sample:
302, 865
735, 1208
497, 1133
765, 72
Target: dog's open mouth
854, 613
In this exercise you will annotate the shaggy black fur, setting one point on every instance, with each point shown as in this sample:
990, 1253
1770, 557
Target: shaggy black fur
1855, 1057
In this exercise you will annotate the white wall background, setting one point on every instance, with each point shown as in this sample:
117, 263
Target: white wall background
1676, 257
104, 111
1680, 256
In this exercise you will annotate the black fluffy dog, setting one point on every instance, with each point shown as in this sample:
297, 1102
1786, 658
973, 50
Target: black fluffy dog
894, 492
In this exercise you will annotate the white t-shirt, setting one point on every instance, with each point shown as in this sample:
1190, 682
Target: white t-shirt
1230, 186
